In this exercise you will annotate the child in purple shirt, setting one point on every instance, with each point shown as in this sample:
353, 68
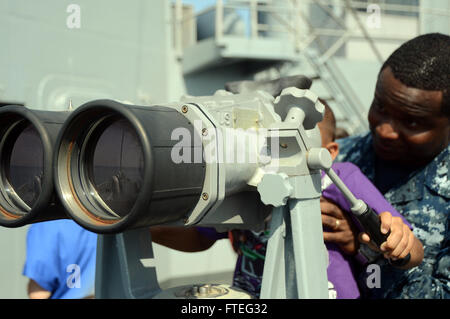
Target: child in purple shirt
251, 246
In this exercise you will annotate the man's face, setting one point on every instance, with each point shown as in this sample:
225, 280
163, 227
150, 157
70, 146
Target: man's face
407, 124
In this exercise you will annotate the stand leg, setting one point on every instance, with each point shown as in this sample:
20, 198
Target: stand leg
124, 266
273, 281
309, 249
290, 265
296, 257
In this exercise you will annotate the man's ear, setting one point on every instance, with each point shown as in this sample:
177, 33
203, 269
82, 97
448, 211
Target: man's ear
333, 148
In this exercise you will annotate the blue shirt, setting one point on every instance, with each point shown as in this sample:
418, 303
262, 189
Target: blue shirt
422, 196
61, 258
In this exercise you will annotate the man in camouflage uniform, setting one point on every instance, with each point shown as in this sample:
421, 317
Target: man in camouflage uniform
424, 201
407, 155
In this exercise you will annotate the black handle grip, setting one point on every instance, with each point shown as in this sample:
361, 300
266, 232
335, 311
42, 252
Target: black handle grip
371, 223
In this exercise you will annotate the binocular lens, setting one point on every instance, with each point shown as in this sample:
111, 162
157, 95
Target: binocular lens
114, 169
117, 167
22, 170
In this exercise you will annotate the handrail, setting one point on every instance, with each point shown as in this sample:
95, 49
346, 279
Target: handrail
286, 18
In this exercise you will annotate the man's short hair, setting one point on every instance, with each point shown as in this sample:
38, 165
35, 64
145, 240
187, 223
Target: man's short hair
424, 63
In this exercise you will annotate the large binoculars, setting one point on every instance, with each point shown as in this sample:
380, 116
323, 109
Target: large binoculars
112, 166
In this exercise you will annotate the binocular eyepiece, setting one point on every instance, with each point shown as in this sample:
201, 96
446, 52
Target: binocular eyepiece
27, 139
113, 167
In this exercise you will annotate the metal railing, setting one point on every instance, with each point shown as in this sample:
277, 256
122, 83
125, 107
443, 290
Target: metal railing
287, 19
290, 20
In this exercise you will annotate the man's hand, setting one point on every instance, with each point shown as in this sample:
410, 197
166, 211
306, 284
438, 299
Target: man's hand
400, 242
339, 227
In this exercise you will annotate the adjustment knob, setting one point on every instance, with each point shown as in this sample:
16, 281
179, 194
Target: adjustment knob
275, 189
305, 100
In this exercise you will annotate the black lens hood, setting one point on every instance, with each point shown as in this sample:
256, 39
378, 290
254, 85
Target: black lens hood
81, 118
169, 190
47, 124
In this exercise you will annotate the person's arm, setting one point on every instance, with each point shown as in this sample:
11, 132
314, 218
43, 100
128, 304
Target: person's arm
400, 243
401, 240
187, 239
432, 285
429, 280
35, 291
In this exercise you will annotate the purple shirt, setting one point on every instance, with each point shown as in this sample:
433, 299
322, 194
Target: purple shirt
340, 271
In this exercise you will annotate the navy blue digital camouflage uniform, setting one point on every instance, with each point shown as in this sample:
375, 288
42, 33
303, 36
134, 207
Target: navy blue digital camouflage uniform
424, 200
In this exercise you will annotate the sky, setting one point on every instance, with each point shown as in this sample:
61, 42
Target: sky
200, 4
